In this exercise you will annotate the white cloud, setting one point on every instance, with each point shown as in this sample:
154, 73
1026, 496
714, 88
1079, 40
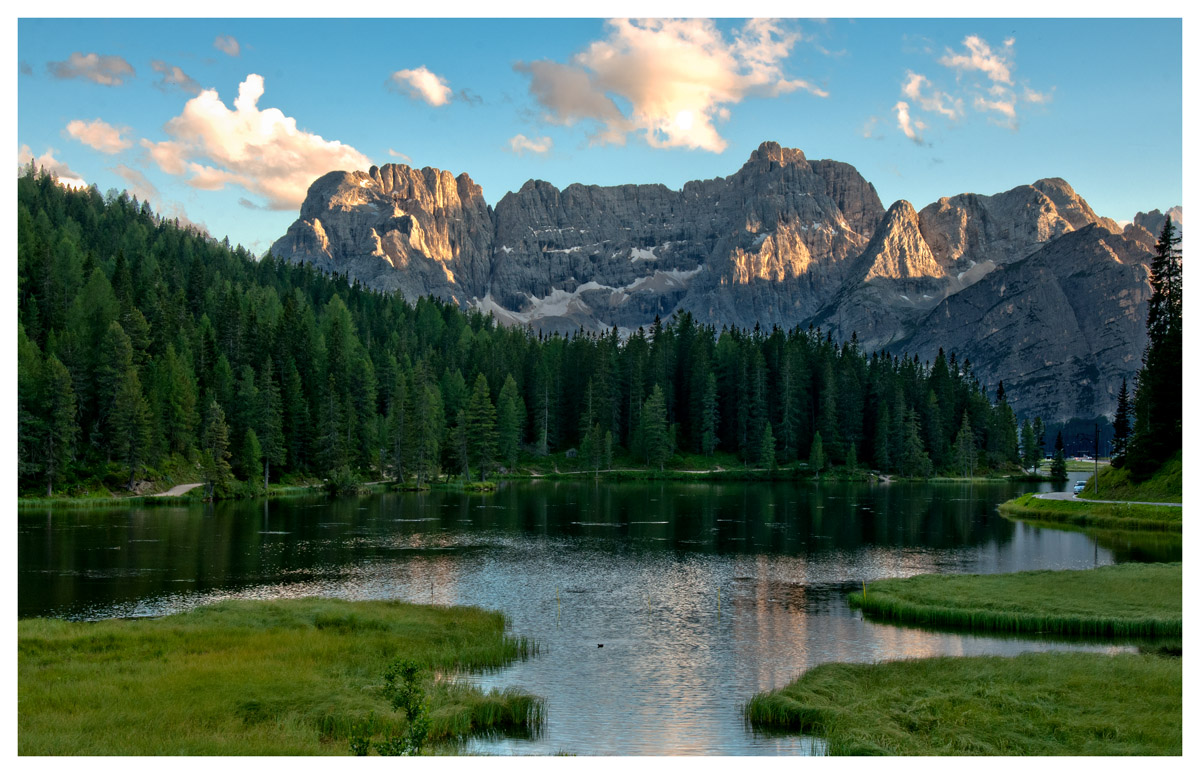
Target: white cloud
937, 102
521, 144
398, 155
139, 186
66, 176
98, 135
678, 76
104, 70
979, 56
228, 44
907, 124
173, 76
261, 150
421, 84
1037, 97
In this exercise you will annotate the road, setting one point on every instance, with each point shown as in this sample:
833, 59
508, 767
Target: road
1071, 496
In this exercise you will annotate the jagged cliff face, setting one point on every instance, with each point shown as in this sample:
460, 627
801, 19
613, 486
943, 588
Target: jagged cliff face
783, 240
420, 232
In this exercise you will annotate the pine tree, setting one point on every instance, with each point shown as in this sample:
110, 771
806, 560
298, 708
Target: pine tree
1058, 468
214, 453
1039, 440
252, 455
1121, 427
709, 416
480, 427
274, 446
510, 421
59, 430
654, 430
129, 425
965, 453
1158, 402
766, 455
816, 454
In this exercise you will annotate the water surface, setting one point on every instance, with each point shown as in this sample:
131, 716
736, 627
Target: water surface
700, 594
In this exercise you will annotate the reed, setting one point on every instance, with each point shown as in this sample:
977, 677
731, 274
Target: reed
1127, 600
291, 677
1127, 516
1034, 704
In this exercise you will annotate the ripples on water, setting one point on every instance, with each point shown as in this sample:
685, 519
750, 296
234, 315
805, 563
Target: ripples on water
701, 594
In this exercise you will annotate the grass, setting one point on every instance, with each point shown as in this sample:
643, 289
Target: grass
1033, 704
1125, 600
1103, 515
289, 677
1165, 486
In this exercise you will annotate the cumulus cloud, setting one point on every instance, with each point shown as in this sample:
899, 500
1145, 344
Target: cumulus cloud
521, 145
907, 124
936, 101
677, 76
139, 186
983, 79
979, 56
104, 70
260, 150
227, 44
173, 76
98, 135
421, 84
66, 176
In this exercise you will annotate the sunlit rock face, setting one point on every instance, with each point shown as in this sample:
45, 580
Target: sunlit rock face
782, 241
421, 232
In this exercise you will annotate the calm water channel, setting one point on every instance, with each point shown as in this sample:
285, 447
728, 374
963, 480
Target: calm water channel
701, 594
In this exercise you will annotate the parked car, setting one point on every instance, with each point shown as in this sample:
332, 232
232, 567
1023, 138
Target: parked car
1080, 486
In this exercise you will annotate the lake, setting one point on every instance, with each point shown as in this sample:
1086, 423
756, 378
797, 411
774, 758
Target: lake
700, 594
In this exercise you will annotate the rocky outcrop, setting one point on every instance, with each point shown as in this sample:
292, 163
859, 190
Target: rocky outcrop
1030, 284
1061, 327
394, 228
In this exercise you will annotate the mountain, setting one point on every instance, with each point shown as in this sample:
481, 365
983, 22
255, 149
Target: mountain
1030, 285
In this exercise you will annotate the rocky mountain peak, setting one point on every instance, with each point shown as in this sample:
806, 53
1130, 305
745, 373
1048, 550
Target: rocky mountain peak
898, 251
773, 152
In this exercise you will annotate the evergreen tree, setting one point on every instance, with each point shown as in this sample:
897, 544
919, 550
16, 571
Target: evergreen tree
129, 425
1030, 453
709, 417
965, 452
214, 453
766, 456
1121, 427
481, 427
1058, 468
274, 446
816, 454
653, 430
510, 421
58, 430
1039, 439
1158, 401
252, 456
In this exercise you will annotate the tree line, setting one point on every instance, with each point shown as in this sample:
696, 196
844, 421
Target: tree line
145, 345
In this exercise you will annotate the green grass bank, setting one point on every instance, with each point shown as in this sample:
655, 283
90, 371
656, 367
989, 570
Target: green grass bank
289, 677
1033, 704
1123, 600
1165, 486
1103, 515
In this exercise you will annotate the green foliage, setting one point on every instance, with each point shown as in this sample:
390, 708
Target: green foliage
1164, 486
1033, 704
1058, 467
329, 376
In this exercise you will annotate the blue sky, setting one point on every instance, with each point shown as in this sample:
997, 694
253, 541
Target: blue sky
923, 108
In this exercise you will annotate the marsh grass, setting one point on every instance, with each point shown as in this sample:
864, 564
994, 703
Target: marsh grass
1126, 600
1033, 704
290, 677
1113, 516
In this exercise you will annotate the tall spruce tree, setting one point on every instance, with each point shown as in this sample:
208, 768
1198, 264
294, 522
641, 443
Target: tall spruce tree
1158, 402
1121, 427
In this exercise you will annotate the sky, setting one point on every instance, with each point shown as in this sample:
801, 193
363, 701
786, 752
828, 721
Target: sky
225, 122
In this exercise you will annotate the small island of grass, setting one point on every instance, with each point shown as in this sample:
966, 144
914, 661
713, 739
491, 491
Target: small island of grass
291, 677
1131, 600
1033, 704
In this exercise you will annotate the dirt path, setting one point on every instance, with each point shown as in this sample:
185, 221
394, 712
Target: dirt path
176, 491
